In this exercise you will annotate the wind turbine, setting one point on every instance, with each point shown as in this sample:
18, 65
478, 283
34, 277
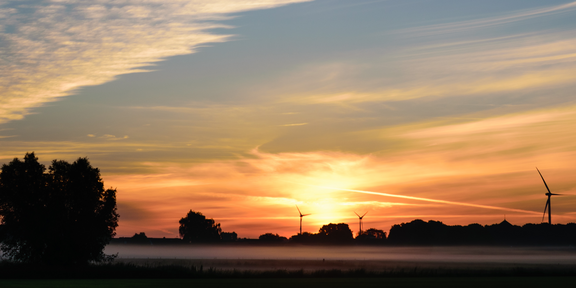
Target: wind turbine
360, 221
301, 215
549, 194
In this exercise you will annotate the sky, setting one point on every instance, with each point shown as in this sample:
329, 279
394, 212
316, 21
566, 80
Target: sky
241, 110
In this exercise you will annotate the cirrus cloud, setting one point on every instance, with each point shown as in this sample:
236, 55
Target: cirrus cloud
58, 46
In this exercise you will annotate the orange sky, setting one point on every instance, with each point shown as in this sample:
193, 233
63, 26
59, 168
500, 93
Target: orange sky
242, 110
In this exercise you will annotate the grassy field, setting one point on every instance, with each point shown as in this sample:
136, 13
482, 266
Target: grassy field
271, 273
445, 282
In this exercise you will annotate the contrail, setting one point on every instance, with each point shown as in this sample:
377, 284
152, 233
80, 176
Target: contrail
431, 200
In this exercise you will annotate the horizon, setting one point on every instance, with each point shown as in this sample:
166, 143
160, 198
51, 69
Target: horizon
434, 110
351, 228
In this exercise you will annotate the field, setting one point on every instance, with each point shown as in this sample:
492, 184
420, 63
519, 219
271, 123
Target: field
369, 266
319, 267
468, 282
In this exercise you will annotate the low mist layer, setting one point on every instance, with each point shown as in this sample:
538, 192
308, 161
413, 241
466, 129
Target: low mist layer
556, 255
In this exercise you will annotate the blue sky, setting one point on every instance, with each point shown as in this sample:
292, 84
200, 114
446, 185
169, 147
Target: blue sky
205, 104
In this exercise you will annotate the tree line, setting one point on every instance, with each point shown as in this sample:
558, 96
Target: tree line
196, 228
416, 232
63, 215
419, 232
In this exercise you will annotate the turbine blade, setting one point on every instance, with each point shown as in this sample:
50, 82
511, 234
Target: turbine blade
299, 210
305, 215
555, 194
365, 214
543, 180
545, 208
356, 214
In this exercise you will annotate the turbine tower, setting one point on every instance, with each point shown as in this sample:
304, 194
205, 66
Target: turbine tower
360, 221
301, 215
548, 205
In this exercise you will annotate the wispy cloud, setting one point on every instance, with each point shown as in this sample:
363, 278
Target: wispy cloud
332, 184
507, 18
295, 124
113, 137
197, 155
434, 200
59, 46
483, 162
521, 64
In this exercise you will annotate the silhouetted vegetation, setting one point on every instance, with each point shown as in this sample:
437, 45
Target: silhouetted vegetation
147, 241
419, 232
194, 227
63, 216
11, 270
305, 238
229, 236
269, 237
140, 238
336, 233
371, 236
329, 234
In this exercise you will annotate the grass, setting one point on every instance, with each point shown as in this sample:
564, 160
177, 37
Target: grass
193, 274
11, 270
444, 282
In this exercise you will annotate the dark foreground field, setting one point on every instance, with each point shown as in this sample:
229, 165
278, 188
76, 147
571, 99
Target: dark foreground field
467, 267
444, 282
388, 267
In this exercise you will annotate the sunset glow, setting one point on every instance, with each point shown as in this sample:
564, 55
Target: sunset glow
436, 110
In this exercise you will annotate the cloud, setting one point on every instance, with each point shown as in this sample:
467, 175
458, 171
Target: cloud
468, 179
296, 124
199, 156
477, 160
462, 26
113, 137
516, 64
436, 201
108, 137
59, 46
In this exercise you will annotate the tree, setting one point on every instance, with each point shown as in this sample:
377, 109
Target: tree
305, 238
336, 232
63, 216
229, 236
270, 237
196, 228
140, 238
372, 235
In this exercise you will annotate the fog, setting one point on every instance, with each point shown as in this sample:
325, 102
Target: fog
513, 255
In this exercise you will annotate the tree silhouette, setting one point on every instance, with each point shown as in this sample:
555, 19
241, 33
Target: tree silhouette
228, 236
271, 237
336, 232
305, 238
372, 235
196, 228
64, 216
419, 232
140, 238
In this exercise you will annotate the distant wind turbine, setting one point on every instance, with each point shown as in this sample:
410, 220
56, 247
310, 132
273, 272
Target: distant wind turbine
360, 221
548, 205
301, 215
